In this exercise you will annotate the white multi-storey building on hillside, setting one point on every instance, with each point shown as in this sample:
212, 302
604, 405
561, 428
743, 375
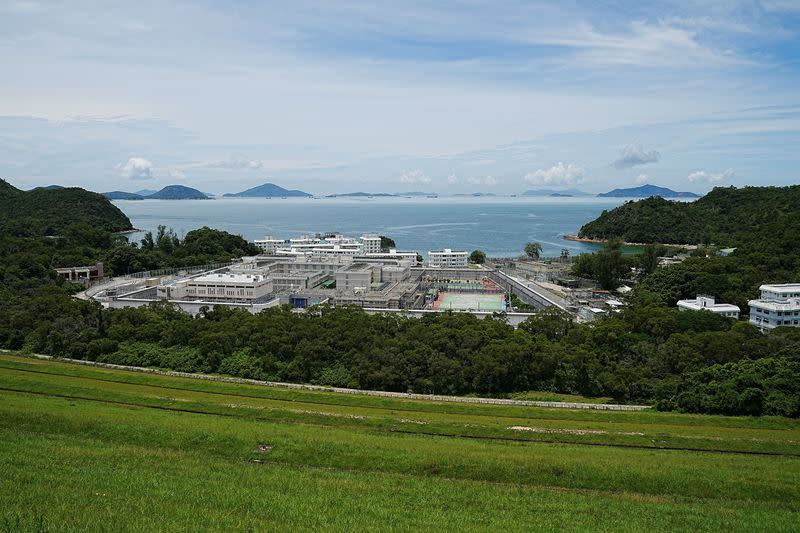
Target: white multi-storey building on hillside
448, 258
779, 306
708, 303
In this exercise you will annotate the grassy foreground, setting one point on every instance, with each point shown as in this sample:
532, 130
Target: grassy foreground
91, 449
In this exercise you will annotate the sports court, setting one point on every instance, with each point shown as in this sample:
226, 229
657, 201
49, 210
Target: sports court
460, 301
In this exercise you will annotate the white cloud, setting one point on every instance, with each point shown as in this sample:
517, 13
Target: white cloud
641, 179
486, 180
173, 173
136, 168
702, 176
452, 179
559, 174
634, 154
414, 177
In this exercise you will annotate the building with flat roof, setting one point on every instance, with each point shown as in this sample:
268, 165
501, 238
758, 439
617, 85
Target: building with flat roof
330, 245
355, 276
779, 306
708, 303
448, 258
393, 255
269, 244
223, 287
81, 274
370, 243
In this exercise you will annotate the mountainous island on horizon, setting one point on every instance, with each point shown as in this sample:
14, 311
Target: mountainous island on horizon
647, 190
170, 192
268, 190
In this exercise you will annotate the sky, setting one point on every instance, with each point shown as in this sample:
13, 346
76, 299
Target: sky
386, 96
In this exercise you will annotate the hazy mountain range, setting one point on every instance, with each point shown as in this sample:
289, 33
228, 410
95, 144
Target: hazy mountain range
271, 190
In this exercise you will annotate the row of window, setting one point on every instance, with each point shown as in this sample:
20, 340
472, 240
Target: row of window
760, 320
779, 313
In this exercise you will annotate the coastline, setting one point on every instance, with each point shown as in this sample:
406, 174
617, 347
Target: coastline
589, 240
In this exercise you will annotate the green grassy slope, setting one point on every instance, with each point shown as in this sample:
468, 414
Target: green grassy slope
45, 211
87, 448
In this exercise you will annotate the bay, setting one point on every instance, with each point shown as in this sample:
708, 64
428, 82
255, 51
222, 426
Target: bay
500, 226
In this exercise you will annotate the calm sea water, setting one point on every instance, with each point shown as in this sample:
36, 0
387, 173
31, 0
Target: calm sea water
499, 226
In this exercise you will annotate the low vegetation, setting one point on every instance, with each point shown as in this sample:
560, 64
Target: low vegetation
165, 453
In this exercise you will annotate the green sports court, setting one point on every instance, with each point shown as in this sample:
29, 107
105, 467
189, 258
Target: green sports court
459, 301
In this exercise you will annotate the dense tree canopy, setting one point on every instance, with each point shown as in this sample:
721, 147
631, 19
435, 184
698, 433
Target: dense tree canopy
726, 216
47, 211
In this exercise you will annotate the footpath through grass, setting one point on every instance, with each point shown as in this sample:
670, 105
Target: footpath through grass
94, 449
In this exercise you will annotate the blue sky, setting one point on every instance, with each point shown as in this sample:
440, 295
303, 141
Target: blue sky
449, 96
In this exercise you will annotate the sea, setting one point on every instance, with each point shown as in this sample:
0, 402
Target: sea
500, 226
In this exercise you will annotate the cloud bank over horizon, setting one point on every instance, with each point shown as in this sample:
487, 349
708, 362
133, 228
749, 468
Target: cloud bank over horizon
467, 97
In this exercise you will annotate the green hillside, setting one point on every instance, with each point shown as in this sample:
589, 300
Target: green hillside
725, 216
47, 211
152, 452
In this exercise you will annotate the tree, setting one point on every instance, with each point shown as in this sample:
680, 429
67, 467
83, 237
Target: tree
610, 265
649, 259
478, 257
387, 243
564, 255
147, 242
533, 250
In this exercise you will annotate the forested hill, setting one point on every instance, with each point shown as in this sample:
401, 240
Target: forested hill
46, 211
725, 216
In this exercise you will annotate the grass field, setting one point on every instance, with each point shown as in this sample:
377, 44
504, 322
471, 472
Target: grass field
470, 301
93, 449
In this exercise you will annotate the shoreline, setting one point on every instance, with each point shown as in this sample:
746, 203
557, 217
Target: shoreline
589, 240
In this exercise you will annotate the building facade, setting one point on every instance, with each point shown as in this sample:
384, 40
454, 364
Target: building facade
448, 258
222, 287
779, 306
370, 244
81, 274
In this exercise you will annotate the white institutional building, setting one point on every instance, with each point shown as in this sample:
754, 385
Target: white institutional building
331, 245
708, 303
779, 306
448, 258
211, 287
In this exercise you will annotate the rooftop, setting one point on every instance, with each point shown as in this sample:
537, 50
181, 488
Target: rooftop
227, 277
447, 251
781, 287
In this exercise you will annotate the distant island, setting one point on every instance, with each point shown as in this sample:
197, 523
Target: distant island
122, 195
170, 192
145, 192
646, 191
48, 188
268, 190
562, 195
178, 192
555, 193
361, 195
